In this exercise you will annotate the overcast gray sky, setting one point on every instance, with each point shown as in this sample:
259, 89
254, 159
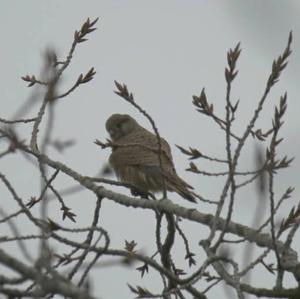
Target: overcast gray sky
165, 51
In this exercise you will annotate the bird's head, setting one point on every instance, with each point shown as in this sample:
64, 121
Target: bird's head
119, 125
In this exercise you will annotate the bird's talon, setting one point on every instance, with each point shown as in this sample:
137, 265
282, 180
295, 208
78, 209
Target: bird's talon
137, 192
143, 194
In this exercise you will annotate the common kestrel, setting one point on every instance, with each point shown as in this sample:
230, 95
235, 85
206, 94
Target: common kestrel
134, 158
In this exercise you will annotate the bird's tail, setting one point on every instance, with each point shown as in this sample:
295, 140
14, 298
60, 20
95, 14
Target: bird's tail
187, 195
175, 183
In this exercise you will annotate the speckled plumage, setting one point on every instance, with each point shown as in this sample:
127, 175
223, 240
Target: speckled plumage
135, 159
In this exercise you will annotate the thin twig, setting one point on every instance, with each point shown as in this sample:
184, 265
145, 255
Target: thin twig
28, 120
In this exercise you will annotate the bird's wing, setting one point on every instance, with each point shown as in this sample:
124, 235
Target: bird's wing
176, 181
141, 148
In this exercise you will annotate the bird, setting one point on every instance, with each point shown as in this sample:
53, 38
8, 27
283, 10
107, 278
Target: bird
135, 159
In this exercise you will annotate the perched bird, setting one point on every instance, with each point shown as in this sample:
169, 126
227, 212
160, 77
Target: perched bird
135, 159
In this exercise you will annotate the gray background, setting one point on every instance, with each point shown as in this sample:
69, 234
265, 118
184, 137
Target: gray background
165, 51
